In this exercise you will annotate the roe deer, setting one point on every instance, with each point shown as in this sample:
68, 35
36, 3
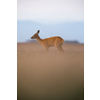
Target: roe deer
48, 42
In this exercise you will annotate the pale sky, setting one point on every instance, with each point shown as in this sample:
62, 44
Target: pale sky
50, 11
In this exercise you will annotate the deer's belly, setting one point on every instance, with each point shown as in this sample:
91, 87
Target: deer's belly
47, 45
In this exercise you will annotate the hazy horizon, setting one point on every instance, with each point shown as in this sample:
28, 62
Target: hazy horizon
68, 31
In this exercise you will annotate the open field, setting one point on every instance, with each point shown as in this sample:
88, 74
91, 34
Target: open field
50, 77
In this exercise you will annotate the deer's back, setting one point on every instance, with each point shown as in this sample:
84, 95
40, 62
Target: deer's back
52, 41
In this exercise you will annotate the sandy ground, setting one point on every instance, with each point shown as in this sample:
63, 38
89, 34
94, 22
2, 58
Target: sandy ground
50, 77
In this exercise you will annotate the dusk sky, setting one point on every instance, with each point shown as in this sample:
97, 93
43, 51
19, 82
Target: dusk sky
63, 18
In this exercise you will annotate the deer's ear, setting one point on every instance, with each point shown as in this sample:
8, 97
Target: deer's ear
38, 31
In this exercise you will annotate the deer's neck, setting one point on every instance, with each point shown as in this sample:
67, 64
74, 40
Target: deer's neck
39, 39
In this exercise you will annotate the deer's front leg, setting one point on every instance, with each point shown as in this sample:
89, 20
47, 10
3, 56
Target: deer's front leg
47, 49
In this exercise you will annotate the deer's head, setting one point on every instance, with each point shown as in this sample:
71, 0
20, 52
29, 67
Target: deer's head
35, 35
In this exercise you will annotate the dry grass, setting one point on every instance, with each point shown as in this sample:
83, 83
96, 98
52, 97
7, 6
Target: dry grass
50, 77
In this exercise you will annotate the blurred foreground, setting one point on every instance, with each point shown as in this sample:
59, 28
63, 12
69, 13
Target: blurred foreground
50, 77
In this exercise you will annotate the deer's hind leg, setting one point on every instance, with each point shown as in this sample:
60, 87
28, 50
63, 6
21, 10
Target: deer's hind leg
59, 47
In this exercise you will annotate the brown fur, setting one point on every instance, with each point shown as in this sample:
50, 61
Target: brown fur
48, 42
